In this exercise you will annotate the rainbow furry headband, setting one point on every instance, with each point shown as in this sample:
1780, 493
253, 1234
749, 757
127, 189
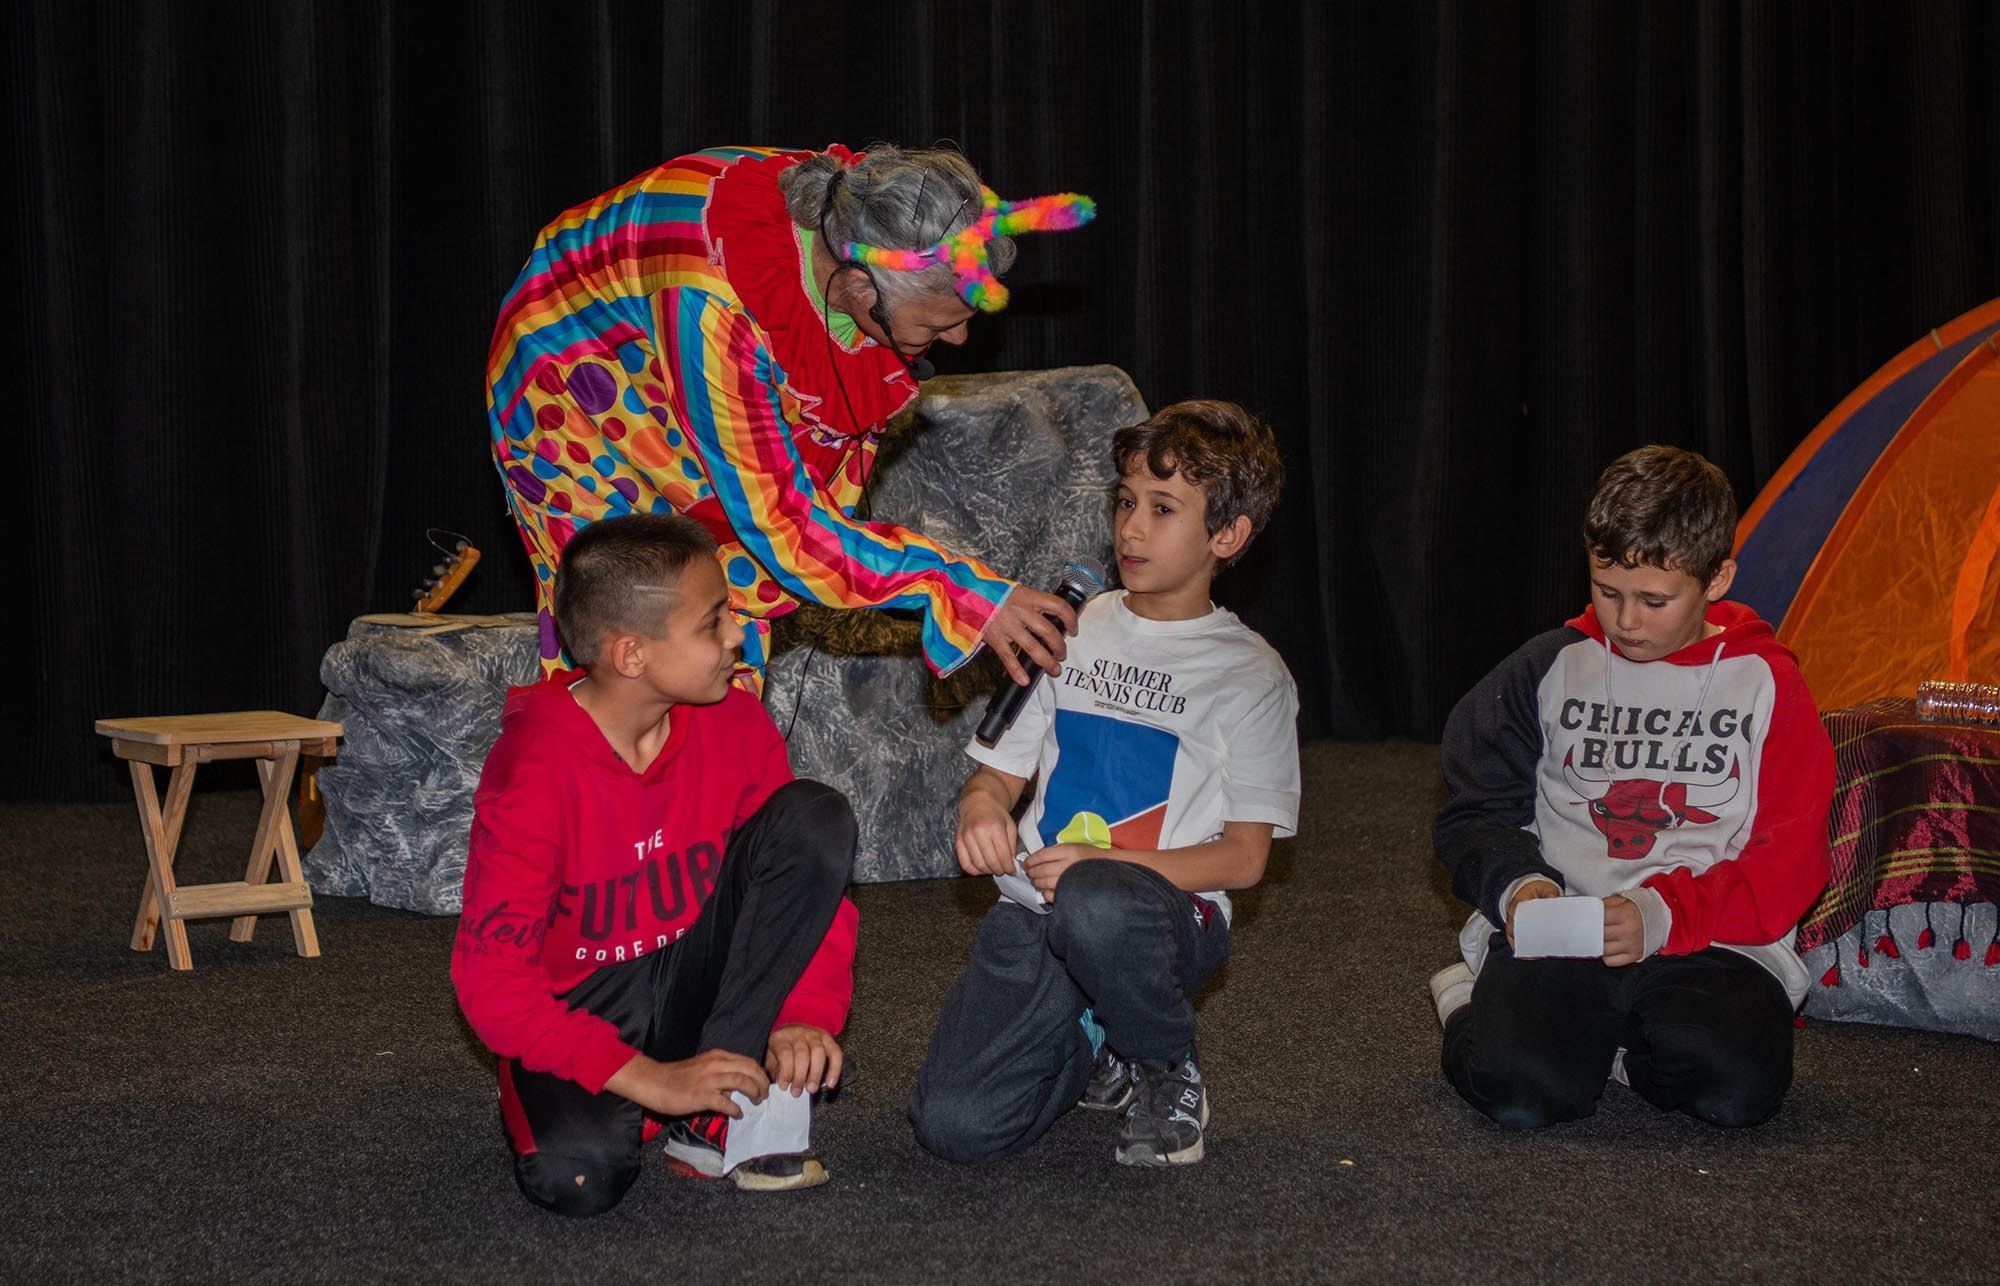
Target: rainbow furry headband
965, 250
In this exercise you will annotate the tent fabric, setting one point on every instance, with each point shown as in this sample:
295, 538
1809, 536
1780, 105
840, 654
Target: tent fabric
1875, 549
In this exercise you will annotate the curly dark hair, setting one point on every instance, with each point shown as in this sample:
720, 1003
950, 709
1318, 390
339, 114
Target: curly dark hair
1217, 446
1665, 507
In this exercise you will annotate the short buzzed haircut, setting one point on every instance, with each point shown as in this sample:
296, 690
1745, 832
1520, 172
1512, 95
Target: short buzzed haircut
1217, 446
1664, 507
620, 575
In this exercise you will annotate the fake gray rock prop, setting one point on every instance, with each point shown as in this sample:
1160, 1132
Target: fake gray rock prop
421, 710
1922, 987
1013, 469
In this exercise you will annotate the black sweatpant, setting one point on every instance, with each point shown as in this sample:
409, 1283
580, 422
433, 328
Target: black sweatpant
719, 987
1709, 1034
1009, 1055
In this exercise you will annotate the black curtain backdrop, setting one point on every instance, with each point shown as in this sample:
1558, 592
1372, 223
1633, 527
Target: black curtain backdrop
1460, 254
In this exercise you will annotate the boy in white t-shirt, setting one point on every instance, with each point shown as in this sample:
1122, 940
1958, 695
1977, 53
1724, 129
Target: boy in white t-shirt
1167, 759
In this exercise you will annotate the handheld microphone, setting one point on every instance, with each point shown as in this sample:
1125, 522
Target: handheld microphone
1078, 584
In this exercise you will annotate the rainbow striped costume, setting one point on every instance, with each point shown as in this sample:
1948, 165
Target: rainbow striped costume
660, 353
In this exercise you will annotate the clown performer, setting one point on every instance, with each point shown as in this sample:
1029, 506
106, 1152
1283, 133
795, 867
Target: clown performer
726, 336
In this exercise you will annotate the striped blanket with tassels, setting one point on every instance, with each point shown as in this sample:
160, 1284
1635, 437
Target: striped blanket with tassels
1915, 818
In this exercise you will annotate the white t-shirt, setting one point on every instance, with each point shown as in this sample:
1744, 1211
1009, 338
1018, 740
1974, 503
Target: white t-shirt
1156, 734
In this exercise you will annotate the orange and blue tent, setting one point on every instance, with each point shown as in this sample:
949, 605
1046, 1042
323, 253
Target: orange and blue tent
1875, 550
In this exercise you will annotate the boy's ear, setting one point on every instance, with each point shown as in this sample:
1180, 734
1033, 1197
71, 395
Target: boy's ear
1229, 539
1718, 585
849, 291
625, 655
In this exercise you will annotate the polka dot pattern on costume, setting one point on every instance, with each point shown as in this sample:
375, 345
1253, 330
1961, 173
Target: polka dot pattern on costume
593, 387
526, 485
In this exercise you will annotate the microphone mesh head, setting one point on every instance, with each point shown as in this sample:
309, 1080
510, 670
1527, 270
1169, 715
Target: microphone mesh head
1082, 579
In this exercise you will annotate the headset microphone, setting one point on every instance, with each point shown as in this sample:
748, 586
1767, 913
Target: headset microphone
920, 368
1078, 584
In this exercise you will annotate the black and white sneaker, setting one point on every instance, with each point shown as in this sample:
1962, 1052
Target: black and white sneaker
1111, 1083
694, 1149
1164, 1121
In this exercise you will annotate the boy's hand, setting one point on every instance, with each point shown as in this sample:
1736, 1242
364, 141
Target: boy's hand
986, 837
1022, 621
698, 1084
1529, 892
1624, 931
803, 1059
1046, 866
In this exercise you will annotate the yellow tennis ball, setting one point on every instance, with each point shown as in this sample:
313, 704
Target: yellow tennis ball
1086, 828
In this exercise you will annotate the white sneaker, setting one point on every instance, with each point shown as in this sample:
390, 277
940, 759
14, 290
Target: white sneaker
1451, 990
1618, 1068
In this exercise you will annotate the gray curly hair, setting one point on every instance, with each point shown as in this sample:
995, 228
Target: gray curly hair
896, 198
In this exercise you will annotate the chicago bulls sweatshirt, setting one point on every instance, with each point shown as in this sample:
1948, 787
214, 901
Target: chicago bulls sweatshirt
578, 862
1697, 785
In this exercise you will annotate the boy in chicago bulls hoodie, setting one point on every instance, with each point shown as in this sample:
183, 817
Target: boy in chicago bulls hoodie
1661, 753
655, 912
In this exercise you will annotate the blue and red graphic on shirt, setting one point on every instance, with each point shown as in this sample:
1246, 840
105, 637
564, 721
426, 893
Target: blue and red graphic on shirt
1110, 783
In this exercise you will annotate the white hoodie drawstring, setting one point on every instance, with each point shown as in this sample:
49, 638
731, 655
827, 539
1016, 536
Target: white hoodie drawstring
1700, 702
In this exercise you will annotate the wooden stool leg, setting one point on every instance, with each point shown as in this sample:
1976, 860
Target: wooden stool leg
163, 837
304, 937
312, 804
276, 775
274, 838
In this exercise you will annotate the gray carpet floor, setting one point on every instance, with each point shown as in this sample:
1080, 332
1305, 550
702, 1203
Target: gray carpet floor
272, 1118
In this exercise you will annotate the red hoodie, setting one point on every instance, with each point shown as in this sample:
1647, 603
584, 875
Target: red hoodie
578, 862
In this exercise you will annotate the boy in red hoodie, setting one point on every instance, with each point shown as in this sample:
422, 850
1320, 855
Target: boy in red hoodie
1659, 753
655, 912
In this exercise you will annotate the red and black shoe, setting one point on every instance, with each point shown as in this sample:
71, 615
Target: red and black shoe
694, 1144
694, 1149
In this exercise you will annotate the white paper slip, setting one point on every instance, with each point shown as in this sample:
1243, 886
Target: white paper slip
778, 1126
1568, 926
1022, 889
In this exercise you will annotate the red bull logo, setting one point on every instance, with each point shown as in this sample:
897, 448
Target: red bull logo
1631, 813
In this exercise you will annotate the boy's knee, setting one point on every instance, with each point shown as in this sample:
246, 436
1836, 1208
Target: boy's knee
576, 1189
1731, 1085
1522, 1090
949, 1124
1096, 903
814, 809
1738, 1106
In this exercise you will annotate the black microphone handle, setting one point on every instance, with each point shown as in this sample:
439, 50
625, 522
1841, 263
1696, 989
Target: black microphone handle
1005, 707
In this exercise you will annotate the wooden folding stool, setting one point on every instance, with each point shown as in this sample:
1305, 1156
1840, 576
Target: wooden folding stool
181, 743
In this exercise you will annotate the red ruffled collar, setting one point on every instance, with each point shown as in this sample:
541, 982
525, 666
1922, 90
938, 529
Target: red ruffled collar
846, 391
